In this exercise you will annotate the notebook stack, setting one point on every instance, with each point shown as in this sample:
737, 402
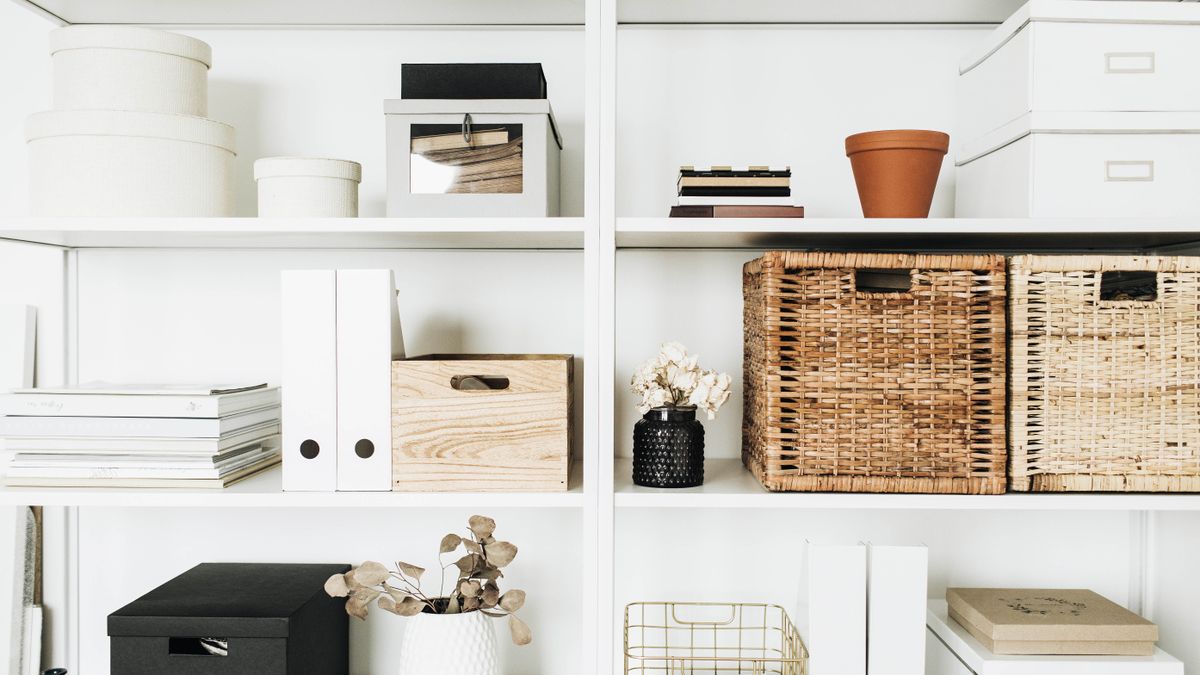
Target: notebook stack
103, 435
726, 192
488, 161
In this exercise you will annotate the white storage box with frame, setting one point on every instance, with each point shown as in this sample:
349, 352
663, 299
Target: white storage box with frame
475, 157
129, 68
118, 163
1065, 55
307, 187
1083, 165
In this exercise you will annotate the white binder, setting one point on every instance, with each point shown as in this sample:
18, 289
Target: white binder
897, 588
309, 379
836, 632
368, 339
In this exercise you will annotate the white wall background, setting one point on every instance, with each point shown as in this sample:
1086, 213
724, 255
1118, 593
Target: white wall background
780, 96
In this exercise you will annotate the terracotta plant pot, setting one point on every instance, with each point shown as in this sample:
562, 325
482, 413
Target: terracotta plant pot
896, 171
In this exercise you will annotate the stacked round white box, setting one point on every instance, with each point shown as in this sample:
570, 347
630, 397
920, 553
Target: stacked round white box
307, 187
128, 134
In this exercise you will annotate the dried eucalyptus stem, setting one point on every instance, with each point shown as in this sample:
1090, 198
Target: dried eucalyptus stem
477, 588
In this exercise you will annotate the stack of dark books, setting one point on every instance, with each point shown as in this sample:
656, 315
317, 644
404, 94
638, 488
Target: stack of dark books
726, 192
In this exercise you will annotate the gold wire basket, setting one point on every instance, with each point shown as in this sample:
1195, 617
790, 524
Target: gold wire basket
682, 638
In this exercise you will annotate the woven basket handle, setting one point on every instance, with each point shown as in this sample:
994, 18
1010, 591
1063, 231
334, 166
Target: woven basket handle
870, 280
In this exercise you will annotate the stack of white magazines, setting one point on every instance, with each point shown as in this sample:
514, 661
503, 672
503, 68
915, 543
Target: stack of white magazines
140, 435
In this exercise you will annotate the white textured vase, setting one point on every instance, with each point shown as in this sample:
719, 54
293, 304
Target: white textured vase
449, 644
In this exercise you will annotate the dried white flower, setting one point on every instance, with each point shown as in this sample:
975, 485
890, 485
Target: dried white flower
674, 378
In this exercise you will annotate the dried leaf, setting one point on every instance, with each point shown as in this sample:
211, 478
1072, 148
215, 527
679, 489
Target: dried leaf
359, 601
452, 606
469, 589
473, 547
411, 570
491, 595
449, 543
482, 526
489, 573
500, 553
470, 604
487, 540
512, 600
494, 615
410, 606
521, 635
397, 594
387, 604
336, 586
468, 563
371, 574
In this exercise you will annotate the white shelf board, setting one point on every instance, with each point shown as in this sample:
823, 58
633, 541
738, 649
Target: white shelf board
264, 491
727, 484
815, 11
925, 234
434, 233
514, 12
312, 12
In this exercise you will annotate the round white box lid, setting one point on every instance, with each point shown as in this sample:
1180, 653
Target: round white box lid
316, 167
130, 37
167, 126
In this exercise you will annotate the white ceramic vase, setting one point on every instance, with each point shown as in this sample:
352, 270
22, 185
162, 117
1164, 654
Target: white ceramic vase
449, 644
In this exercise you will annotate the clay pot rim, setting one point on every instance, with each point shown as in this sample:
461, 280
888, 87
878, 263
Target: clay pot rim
898, 139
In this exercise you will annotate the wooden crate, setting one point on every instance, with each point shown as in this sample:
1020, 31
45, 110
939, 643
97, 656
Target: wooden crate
447, 439
1105, 392
875, 372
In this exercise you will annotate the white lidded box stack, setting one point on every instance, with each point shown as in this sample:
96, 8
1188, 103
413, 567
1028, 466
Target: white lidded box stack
472, 157
128, 136
1082, 109
302, 187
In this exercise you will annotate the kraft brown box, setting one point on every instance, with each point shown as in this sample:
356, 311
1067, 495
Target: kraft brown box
482, 423
1050, 621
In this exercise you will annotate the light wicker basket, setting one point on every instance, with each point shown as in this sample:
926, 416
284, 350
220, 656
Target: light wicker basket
856, 389
1105, 392
681, 638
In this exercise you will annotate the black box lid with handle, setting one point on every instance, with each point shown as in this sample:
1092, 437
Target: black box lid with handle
258, 618
472, 80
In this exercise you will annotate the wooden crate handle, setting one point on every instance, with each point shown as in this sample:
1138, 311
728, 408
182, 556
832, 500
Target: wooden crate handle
479, 383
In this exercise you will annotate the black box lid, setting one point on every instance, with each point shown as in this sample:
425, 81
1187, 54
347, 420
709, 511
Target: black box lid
472, 80
225, 600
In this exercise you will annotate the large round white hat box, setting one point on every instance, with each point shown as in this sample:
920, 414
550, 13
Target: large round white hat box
307, 187
129, 68
120, 163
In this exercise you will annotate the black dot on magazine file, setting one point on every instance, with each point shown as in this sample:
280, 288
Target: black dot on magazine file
310, 449
364, 448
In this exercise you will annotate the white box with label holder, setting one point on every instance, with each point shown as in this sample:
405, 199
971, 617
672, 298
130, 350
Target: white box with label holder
1082, 165
1067, 55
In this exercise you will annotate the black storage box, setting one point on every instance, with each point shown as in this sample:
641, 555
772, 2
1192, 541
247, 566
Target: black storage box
274, 619
472, 80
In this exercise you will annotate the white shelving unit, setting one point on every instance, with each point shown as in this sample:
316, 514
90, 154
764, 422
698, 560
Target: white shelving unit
639, 87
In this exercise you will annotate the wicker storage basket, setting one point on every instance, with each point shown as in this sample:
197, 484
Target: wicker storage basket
850, 387
1105, 389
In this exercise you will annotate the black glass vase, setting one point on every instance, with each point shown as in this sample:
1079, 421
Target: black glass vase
668, 449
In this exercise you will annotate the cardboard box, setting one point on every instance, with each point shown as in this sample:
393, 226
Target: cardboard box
1050, 621
952, 651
